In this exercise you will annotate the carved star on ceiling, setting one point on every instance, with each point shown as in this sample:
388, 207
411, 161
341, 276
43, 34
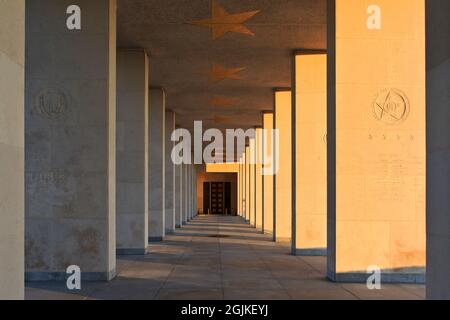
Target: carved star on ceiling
219, 73
221, 22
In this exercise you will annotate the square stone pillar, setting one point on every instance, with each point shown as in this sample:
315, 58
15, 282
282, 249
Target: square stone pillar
239, 188
438, 149
132, 151
268, 179
252, 182
194, 188
376, 140
185, 193
157, 156
247, 184
258, 183
309, 162
70, 141
178, 196
12, 61
190, 193
243, 185
283, 178
170, 174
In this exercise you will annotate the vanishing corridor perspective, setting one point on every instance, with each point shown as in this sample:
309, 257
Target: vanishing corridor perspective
224, 149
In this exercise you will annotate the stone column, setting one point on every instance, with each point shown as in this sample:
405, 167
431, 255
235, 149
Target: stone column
268, 168
309, 153
132, 151
376, 141
190, 192
170, 174
247, 184
438, 149
157, 137
70, 141
195, 190
252, 181
185, 193
12, 61
258, 183
178, 196
239, 188
283, 178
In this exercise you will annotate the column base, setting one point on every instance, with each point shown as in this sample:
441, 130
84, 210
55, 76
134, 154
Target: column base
131, 252
62, 276
314, 252
178, 226
155, 239
386, 277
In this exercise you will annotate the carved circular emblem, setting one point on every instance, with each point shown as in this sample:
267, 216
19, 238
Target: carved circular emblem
51, 103
391, 106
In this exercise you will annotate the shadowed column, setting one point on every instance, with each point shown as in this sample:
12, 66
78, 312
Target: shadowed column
268, 167
70, 141
438, 149
170, 174
12, 56
178, 196
157, 137
185, 193
132, 151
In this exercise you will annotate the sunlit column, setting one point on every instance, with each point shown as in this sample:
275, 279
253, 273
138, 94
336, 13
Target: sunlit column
258, 183
283, 179
268, 191
242, 204
310, 187
247, 184
376, 140
70, 140
132, 152
12, 53
252, 182
239, 187
157, 137
438, 155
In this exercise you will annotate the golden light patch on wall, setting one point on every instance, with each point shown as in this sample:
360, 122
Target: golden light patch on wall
222, 167
258, 191
283, 185
311, 151
268, 179
380, 136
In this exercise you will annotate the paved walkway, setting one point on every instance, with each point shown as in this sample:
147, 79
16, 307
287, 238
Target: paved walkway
220, 258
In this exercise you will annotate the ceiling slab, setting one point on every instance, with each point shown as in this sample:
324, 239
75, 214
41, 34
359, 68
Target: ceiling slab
219, 61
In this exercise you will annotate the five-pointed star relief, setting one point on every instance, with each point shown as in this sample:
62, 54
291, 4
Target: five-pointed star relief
219, 73
221, 22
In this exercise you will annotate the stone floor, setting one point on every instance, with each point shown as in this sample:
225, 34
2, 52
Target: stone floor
220, 258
